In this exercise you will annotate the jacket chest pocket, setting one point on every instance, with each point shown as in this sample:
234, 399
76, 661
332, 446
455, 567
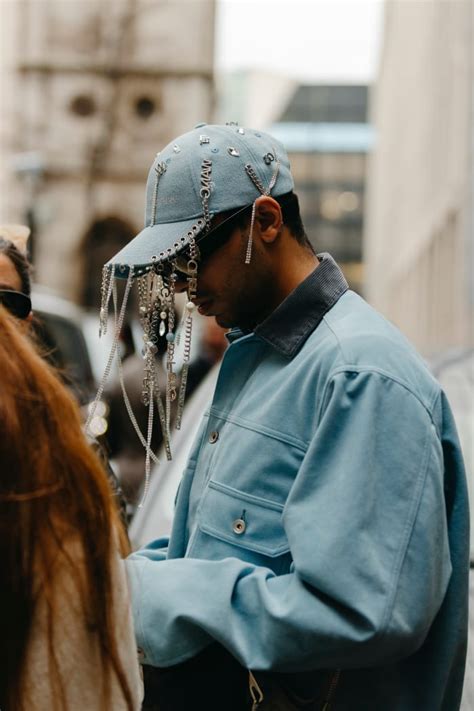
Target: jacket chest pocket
232, 523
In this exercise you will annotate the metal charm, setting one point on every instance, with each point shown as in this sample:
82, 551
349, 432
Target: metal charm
204, 139
106, 291
160, 168
205, 192
188, 318
233, 152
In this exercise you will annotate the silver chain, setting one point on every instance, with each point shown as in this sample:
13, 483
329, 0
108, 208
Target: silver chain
171, 375
192, 268
108, 366
148, 448
105, 290
160, 168
248, 252
264, 191
126, 399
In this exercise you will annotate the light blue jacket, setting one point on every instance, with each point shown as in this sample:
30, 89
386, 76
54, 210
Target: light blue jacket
322, 519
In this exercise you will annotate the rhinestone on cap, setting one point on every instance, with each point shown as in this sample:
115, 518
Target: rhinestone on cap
233, 152
204, 139
176, 148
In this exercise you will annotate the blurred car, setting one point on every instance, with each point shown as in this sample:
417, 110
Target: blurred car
58, 325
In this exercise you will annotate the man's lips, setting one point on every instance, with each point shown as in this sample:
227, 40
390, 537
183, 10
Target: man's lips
203, 305
204, 308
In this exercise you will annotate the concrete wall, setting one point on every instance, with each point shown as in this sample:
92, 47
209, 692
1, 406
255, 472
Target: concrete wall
418, 239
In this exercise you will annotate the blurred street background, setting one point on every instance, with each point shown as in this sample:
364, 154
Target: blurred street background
373, 100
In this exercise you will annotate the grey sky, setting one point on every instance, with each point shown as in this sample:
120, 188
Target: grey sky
309, 40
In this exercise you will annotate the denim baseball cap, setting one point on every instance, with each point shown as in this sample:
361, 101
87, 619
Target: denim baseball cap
229, 165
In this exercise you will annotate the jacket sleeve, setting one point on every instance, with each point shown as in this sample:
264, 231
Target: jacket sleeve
366, 523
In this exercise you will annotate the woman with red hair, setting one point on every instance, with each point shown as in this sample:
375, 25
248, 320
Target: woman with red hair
66, 637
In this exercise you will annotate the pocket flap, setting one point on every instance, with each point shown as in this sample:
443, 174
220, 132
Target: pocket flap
242, 519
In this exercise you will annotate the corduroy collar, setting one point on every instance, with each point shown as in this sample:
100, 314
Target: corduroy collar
292, 322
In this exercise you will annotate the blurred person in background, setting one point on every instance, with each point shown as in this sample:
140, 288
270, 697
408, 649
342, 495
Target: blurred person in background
15, 295
15, 281
66, 636
319, 554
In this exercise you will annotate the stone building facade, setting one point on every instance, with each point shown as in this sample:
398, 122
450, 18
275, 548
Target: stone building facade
93, 90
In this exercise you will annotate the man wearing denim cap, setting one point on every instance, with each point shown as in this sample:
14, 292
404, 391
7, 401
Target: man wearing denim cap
319, 552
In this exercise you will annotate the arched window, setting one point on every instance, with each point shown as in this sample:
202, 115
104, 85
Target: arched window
104, 238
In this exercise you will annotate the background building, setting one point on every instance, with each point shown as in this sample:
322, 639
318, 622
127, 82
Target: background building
90, 91
327, 135
419, 237
253, 98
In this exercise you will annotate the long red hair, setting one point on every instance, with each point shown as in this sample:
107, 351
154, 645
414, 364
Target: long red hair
53, 491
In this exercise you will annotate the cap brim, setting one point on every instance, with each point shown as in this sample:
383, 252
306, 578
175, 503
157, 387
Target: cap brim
154, 244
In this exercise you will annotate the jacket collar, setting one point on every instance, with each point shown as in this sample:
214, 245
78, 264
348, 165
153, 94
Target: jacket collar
293, 321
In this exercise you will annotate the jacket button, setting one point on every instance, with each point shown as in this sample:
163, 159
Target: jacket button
213, 437
239, 526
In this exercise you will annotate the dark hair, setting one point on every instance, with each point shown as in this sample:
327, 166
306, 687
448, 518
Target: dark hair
20, 263
290, 210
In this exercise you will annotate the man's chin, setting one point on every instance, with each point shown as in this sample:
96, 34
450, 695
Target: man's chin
224, 321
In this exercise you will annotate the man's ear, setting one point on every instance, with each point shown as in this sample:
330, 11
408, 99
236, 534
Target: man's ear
268, 217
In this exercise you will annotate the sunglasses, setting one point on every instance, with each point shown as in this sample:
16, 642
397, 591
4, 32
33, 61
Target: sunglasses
217, 236
18, 304
207, 244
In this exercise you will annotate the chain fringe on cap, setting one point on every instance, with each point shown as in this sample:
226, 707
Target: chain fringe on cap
126, 398
157, 316
192, 269
105, 290
113, 350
